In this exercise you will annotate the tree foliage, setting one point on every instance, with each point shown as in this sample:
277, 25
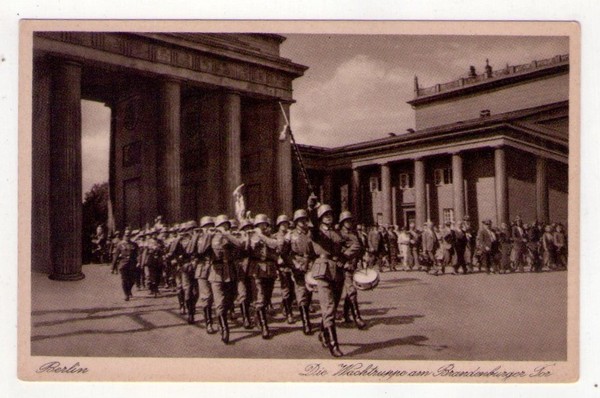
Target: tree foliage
95, 212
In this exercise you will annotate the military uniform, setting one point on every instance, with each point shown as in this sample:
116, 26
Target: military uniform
222, 272
329, 274
284, 271
152, 259
298, 251
182, 252
204, 258
264, 252
352, 252
126, 257
244, 281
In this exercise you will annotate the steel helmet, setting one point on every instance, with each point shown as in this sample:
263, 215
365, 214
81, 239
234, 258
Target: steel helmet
206, 221
245, 223
234, 224
261, 219
221, 219
192, 224
323, 209
300, 213
346, 215
282, 218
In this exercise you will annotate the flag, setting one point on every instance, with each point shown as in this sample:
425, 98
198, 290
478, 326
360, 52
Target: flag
283, 132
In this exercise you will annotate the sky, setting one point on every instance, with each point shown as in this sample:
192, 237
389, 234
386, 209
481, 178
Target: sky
356, 86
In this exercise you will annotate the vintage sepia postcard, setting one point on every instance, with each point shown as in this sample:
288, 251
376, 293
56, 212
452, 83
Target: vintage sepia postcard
385, 202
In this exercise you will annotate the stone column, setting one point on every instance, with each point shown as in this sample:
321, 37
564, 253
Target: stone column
283, 169
501, 186
40, 168
355, 193
65, 172
169, 193
420, 194
232, 162
386, 192
541, 190
458, 186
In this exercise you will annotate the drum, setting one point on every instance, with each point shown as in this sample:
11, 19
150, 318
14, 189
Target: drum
311, 283
365, 279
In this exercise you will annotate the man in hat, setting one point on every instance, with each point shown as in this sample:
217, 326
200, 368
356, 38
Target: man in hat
414, 246
328, 270
152, 258
486, 242
284, 269
447, 245
264, 253
126, 256
222, 273
352, 252
299, 252
204, 258
430, 244
392, 244
244, 281
519, 240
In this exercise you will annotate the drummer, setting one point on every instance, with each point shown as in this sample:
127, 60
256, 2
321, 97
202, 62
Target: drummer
327, 270
298, 251
353, 251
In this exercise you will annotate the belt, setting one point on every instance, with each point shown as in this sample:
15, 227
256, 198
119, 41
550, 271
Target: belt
328, 257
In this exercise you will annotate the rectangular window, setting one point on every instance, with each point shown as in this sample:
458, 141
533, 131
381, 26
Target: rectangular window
373, 184
448, 215
442, 176
407, 180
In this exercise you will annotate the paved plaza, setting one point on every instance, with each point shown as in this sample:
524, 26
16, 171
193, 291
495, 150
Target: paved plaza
411, 315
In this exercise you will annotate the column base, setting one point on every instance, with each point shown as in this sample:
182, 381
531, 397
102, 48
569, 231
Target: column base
67, 277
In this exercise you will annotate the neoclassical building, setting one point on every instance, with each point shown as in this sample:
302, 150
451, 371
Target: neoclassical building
491, 146
192, 116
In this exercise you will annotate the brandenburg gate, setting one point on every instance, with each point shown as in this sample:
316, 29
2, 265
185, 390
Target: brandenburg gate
192, 117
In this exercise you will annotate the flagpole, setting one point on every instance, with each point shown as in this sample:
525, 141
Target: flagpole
297, 152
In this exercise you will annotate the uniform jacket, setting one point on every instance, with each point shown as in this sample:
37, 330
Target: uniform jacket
352, 249
298, 249
264, 252
126, 255
224, 246
328, 246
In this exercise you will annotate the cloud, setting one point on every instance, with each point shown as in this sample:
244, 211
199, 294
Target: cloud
364, 99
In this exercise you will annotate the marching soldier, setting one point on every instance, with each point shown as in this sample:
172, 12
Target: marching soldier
139, 239
327, 270
299, 251
263, 268
222, 271
203, 254
126, 255
284, 270
352, 251
152, 257
181, 252
244, 281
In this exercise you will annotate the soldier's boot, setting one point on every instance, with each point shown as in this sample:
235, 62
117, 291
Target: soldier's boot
245, 310
305, 315
288, 312
334, 347
224, 326
347, 311
324, 336
262, 320
356, 315
191, 311
181, 300
208, 321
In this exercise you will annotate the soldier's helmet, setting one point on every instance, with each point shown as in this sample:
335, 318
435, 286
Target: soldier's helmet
191, 225
234, 224
346, 215
127, 233
261, 219
323, 209
206, 221
245, 224
300, 213
282, 218
221, 219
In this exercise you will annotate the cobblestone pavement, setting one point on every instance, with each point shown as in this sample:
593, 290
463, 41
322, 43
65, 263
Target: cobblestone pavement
411, 315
